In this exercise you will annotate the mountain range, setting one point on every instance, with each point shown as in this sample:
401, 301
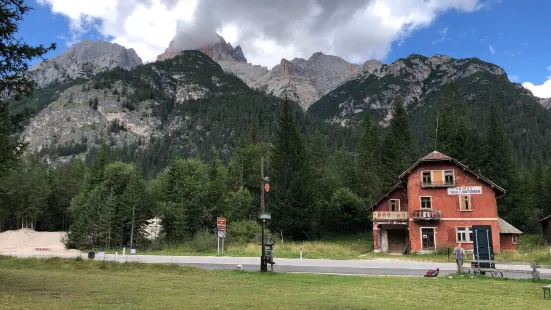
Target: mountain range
99, 90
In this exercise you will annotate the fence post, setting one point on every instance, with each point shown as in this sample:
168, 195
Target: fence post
535, 272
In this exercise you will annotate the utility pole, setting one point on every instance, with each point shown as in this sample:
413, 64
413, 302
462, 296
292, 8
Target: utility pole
263, 264
132, 231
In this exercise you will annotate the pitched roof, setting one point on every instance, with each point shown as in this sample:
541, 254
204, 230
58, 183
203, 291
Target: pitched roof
545, 218
395, 187
436, 156
506, 228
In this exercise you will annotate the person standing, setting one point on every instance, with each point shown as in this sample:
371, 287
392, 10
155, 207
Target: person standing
459, 257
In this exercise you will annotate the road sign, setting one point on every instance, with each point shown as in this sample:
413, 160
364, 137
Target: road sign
221, 234
221, 223
267, 187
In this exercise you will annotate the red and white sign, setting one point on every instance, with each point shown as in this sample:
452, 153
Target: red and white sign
221, 223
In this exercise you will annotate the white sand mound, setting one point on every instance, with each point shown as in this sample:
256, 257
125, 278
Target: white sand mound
28, 241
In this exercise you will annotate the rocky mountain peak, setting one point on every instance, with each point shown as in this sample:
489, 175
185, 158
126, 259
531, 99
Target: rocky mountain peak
218, 51
82, 60
414, 78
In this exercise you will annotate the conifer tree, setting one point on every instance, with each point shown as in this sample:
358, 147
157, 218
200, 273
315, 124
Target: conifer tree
454, 136
368, 161
15, 55
135, 206
398, 152
453, 128
291, 201
500, 168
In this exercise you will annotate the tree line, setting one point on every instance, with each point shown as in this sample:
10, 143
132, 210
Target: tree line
316, 190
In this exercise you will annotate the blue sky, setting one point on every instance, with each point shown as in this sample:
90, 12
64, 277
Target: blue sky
512, 34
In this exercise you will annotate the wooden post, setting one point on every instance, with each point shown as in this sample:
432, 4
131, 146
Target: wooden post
535, 272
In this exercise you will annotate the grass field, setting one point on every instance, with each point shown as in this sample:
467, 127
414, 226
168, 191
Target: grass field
71, 284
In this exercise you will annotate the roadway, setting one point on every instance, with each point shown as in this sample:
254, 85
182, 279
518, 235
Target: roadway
325, 266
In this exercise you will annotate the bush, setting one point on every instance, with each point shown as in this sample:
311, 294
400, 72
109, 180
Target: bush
244, 231
203, 241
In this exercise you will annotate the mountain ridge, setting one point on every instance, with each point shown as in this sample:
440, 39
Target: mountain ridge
82, 60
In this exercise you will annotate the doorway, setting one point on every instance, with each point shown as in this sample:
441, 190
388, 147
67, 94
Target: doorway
427, 239
397, 240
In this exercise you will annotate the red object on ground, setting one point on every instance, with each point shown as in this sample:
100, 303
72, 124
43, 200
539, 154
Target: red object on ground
432, 273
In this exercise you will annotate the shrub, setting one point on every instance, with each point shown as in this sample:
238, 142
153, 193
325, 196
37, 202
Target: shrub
203, 241
244, 231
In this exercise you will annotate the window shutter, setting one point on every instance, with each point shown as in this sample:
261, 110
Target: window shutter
461, 202
389, 205
438, 176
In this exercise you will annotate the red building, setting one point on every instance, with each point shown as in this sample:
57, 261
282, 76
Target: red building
434, 205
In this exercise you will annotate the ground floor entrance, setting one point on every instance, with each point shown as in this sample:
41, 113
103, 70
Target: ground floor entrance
394, 238
427, 239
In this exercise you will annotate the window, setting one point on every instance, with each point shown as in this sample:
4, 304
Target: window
465, 203
426, 203
463, 234
448, 177
394, 205
516, 239
427, 178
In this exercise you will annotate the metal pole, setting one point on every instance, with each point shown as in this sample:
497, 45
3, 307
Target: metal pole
262, 184
223, 246
132, 232
218, 240
263, 265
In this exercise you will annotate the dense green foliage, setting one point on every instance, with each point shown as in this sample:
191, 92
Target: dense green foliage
398, 152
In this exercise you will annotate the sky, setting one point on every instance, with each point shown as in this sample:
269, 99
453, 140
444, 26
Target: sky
509, 33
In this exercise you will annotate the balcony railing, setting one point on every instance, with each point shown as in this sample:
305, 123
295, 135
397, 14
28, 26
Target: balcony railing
438, 184
390, 216
426, 215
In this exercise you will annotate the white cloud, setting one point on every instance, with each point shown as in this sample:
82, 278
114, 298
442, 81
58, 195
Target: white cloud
491, 48
543, 90
267, 30
513, 78
443, 35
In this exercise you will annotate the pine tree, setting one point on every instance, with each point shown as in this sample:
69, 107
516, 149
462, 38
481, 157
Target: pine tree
398, 152
135, 207
15, 55
95, 173
368, 161
453, 126
291, 201
499, 165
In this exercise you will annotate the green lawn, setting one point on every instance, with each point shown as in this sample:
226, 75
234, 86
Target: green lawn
71, 284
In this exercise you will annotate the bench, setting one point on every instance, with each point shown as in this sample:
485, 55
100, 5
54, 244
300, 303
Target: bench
547, 289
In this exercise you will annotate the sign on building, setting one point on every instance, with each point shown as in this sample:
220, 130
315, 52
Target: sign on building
465, 190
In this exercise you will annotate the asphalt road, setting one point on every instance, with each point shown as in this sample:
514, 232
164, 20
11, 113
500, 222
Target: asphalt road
349, 267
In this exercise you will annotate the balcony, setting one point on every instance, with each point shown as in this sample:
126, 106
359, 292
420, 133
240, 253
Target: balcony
438, 184
426, 215
390, 216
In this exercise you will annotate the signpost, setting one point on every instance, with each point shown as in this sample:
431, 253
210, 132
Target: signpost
221, 230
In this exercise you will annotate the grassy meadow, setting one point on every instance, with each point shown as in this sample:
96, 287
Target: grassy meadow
71, 284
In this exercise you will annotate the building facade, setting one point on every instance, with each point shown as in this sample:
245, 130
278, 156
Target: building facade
434, 205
